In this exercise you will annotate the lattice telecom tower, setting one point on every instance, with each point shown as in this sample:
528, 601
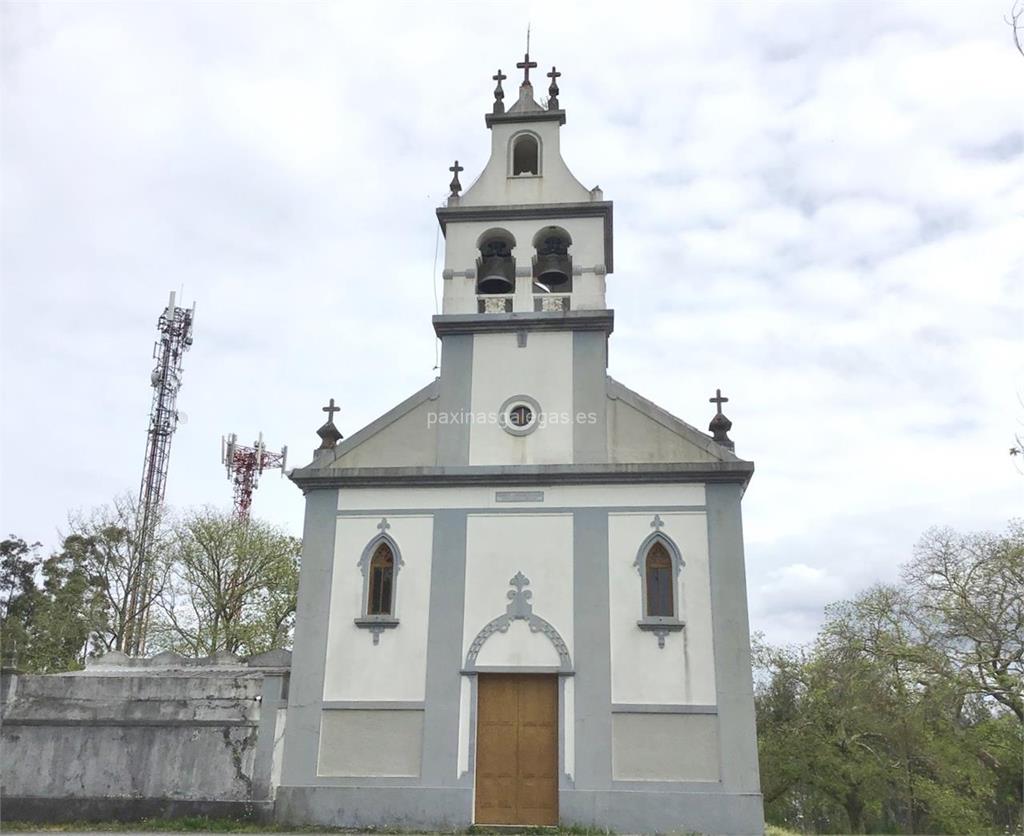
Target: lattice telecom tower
175, 328
245, 465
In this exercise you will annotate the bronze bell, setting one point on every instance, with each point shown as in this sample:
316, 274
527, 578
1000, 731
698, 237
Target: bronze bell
553, 265
496, 268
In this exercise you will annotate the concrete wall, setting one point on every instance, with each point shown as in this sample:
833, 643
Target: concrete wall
137, 740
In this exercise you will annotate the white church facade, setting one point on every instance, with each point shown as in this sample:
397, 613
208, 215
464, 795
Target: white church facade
522, 597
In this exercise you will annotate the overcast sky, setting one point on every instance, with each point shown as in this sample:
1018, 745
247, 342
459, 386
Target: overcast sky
819, 208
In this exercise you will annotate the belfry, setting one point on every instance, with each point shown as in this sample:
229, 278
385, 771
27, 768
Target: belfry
522, 596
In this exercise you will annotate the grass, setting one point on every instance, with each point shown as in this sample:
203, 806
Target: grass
775, 830
202, 824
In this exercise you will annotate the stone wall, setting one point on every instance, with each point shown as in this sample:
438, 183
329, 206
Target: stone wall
133, 738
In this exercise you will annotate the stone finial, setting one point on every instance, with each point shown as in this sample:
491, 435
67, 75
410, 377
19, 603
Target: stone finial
553, 89
720, 425
499, 94
329, 434
455, 185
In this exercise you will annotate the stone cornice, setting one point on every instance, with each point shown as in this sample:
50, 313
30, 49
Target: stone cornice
525, 116
500, 476
596, 320
539, 211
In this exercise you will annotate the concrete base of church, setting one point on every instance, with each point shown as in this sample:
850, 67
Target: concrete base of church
639, 811
424, 808
71, 809
403, 808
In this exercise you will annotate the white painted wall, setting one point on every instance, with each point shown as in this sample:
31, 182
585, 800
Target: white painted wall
394, 669
381, 744
497, 186
683, 672
366, 500
543, 370
665, 747
498, 546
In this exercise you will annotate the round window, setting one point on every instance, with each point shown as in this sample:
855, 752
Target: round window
519, 415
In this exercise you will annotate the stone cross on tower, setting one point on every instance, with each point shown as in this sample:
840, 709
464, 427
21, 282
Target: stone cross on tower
553, 89
526, 65
720, 425
329, 435
499, 94
455, 185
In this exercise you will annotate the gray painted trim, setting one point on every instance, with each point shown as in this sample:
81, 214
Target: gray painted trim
688, 786
309, 657
519, 496
491, 119
617, 391
661, 708
266, 737
734, 686
440, 767
455, 389
524, 669
533, 475
374, 705
427, 393
519, 608
449, 325
517, 400
540, 211
552, 509
589, 361
592, 636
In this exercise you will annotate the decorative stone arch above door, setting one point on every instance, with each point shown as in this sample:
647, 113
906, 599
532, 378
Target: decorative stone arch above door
519, 609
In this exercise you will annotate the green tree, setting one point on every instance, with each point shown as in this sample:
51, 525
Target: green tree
233, 586
127, 584
19, 597
966, 599
903, 715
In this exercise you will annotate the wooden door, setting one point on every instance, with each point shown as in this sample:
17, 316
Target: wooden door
517, 749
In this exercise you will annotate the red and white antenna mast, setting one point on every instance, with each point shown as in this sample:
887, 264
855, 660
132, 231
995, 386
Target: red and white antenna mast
175, 338
245, 465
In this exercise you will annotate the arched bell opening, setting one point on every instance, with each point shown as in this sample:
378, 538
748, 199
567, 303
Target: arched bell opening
525, 155
496, 267
552, 264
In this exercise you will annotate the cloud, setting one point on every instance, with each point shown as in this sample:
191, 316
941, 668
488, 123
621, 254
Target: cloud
817, 209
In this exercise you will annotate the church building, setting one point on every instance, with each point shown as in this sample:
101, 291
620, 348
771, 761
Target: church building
522, 597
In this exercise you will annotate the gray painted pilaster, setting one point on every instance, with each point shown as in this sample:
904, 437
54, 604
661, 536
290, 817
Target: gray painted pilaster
263, 760
444, 650
731, 631
454, 391
589, 361
306, 688
592, 651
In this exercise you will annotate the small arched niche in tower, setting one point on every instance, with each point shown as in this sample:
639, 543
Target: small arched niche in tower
496, 267
525, 155
552, 264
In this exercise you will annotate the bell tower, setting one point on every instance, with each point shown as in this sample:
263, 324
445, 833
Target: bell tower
527, 252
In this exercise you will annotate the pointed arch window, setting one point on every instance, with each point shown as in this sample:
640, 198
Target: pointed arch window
659, 565
380, 565
659, 581
382, 581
